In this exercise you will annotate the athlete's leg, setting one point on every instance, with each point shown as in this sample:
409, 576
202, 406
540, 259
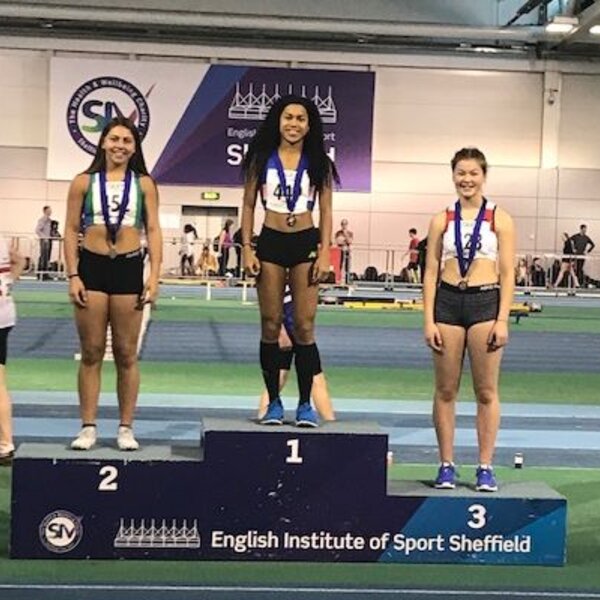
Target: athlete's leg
6, 436
448, 370
485, 369
125, 321
305, 297
321, 397
91, 323
270, 286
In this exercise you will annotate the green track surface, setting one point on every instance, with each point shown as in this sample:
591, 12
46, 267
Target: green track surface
581, 487
551, 319
345, 382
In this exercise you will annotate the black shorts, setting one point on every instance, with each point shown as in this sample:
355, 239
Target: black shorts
413, 266
287, 249
477, 304
3, 344
123, 274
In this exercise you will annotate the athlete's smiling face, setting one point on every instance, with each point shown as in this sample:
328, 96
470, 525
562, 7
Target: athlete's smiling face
293, 123
468, 178
119, 146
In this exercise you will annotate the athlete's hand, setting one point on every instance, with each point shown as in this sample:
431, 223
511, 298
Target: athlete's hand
149, 294
251, 262
498, 336
77, 292
320, 269
433, 337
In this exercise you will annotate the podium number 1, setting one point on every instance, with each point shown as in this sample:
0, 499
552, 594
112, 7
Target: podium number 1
294, 458
108, 483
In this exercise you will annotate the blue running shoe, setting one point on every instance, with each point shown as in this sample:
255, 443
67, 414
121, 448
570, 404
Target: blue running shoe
274, 414
446, 477
486, 482
306, 416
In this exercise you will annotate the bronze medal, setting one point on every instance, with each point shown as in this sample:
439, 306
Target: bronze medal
291, 220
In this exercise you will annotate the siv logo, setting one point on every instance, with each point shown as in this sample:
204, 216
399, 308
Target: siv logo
60, 531
99, 100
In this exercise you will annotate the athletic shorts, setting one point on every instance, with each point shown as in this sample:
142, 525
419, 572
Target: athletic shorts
287, 249
3, 343
476, 304
121, 275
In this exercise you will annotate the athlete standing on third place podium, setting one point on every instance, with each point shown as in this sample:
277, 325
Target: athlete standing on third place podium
287, 165
472, 247
113, 200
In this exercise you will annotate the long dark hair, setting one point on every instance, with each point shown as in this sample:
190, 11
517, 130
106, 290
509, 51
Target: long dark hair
136, 163
321, 169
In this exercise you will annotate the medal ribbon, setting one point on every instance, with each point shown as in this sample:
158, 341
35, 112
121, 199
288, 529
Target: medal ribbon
465, 263
113, 228
291, 195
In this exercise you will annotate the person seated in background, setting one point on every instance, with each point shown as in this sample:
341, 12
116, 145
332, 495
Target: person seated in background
537, 274
521, 272
207, 265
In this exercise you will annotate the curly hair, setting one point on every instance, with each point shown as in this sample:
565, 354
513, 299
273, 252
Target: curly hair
321, 169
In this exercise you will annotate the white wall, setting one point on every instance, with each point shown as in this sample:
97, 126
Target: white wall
422, 116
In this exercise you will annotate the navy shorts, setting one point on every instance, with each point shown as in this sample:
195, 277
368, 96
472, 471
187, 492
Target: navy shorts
477, 304
3, 343
123, 274
288, 249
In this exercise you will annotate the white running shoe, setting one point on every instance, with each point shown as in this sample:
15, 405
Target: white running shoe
125, 439
86, 438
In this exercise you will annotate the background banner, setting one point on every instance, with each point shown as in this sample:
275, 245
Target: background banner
197, 120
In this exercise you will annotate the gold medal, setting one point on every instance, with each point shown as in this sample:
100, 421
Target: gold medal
463, 285
291, 219
112, 252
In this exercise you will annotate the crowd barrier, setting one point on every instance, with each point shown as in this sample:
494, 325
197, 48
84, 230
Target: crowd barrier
385, 267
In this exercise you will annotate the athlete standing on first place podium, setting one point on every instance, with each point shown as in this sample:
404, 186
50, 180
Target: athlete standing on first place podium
112, 201
471, 245
287, 165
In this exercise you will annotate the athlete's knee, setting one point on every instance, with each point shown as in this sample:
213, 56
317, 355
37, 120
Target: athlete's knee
304, 330
486, 395
446, 394
92, 353
125, 355
270, 327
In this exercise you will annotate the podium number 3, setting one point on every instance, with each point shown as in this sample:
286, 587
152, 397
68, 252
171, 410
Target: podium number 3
478, 514
108, 483
294, 457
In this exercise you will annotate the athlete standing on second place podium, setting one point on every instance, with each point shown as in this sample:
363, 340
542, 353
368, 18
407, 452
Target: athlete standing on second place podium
287, 165
113, 200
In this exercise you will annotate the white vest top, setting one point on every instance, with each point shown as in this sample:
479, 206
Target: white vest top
8, 316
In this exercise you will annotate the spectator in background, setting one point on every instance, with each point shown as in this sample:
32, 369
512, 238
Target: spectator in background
207, 264
582, 244
412, 268
567, 264
422, 248
344, 239
521, 272
225, 242
43, 230
190, 235
537, 274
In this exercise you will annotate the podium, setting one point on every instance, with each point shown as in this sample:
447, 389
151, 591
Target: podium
250, 492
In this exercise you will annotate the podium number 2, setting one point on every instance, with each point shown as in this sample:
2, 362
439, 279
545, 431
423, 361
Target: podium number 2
108, 483
478, 514
294, 457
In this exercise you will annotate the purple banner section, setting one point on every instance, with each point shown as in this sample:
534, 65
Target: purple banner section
230, 104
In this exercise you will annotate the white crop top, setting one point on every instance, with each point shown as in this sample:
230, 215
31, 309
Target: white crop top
274, 199
8, 316
487, 245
